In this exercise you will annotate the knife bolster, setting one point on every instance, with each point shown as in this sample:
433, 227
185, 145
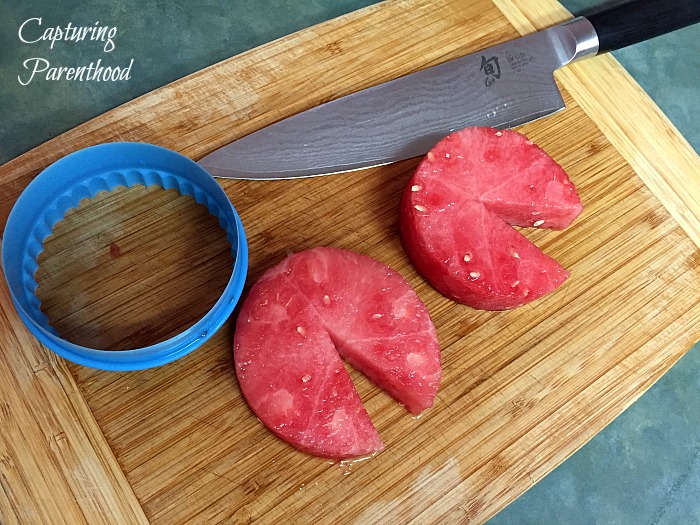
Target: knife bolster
578, 38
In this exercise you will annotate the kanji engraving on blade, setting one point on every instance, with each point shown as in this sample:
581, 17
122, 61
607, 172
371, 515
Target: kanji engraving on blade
491, 69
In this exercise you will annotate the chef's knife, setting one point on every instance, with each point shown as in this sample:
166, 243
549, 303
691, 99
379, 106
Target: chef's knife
501, 87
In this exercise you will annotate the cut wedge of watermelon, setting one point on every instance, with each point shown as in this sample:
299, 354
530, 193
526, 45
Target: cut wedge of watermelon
300, 317
459, 207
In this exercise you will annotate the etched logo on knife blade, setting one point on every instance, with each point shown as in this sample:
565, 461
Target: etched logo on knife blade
519, 60
491, 69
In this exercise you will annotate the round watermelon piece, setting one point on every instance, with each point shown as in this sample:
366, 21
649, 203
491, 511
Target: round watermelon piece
306, 314
458, 212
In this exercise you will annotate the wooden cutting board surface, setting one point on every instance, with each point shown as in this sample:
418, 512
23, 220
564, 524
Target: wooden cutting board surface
521, 391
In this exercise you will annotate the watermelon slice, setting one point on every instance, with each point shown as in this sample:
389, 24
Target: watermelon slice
458, 208
300, 317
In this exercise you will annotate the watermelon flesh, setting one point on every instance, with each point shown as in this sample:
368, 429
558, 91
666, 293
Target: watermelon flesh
458, 209
300, 317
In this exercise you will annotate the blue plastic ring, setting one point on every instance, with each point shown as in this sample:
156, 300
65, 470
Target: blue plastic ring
81, 175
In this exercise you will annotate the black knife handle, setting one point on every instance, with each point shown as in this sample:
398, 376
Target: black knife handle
639, 20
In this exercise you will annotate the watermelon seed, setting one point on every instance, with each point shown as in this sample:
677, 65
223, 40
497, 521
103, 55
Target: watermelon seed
430, 156
536, 212
415, 187
525, 292
468, 257
305, 378
447, 155
415, 360
420, 208
515, 254
376, 316
515, 283
474, 275
301, 330
538, 223
499, 133
326, 299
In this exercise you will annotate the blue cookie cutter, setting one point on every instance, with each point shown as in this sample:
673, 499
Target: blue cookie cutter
81, 175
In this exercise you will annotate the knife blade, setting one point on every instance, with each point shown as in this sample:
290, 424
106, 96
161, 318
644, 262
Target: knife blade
502, 86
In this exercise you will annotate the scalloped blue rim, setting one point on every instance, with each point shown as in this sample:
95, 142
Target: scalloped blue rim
83, 174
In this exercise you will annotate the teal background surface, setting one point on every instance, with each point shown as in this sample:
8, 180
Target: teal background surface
644, 468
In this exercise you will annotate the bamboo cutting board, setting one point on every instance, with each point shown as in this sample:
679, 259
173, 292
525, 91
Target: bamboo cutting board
521, 391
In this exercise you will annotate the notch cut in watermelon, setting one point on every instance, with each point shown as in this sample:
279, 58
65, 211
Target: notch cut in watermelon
458, 209
300, 317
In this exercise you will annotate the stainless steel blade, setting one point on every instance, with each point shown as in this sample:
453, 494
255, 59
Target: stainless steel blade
502, 86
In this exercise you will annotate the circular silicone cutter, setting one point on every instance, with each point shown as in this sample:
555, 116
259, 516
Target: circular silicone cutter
84, 174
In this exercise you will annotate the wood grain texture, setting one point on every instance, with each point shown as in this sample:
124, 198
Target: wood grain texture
132, 267
55, 466
522, 390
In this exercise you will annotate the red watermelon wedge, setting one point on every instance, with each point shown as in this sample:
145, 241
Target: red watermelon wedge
458, 208
300, 317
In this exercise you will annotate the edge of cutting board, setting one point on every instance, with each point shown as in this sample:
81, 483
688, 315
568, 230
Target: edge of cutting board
64, 453
55, 463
